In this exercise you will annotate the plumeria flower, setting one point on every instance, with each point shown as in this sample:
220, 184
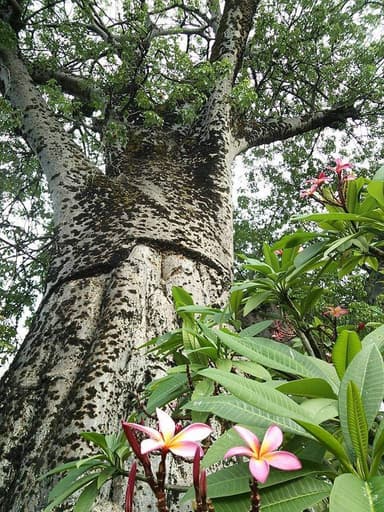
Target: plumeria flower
320, 180
264, 455
340, 167
336, 311
308, 192
170, 438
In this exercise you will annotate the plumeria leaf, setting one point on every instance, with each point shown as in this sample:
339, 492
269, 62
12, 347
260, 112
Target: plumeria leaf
357, 426
273, 355
366, 371
376, 190
378, 443
322, 409
78, 484
232, 409
204, 387
255, 329
292, 496
375, 337
87, 498
255, 300
254, 369
168, 389
97, 439
105, 475
351, 494
234, 480
68, 481
316, 388
257, 394
347, 345
90, 461
327, 440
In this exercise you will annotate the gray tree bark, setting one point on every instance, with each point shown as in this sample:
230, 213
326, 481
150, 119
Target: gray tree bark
120, 247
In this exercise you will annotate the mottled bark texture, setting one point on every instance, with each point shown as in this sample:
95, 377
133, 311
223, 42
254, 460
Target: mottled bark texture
162, 219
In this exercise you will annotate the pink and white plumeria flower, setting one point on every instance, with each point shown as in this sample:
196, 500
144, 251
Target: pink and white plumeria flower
169, 438
265, 454
320, 180
340, 166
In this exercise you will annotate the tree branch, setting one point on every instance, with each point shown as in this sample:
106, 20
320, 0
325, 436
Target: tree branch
71, 84
61, 160
250, 133
234, 27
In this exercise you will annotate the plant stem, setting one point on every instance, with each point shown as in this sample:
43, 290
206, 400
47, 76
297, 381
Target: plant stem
255, 496
160, 492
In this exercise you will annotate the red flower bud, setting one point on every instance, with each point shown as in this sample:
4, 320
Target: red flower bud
130, 488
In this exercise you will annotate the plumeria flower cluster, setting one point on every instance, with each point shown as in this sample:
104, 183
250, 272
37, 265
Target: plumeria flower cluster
343, 175
185, 442
169, 438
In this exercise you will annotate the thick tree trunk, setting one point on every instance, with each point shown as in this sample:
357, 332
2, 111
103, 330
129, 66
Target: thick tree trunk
162, 217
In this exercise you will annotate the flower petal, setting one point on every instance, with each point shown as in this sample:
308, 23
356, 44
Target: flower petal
166, 425
259, 469
249, 437
238, 450
272, 440
283, 460
186, 449
151, 432
149, 445
194, 432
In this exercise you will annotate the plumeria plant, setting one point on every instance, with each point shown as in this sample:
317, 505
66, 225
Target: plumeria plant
275, 378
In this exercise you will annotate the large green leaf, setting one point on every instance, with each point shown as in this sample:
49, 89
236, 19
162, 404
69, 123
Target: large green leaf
376, 190
350, 494
66, 482
255, 300
252, 368
377, 448
347, 345
293, 496
232, 409
257, 394
78, 484
375, 337
87, 498
95, 460
357, 427
255, 329
273, 355
367, 372
328, 440
235, 479
308, 387
322, 409
166, 390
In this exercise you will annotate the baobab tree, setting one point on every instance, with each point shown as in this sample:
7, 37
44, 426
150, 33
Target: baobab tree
135, 120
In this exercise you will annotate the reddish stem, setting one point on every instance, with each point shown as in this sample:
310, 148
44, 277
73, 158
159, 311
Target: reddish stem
160, 491
255, 496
